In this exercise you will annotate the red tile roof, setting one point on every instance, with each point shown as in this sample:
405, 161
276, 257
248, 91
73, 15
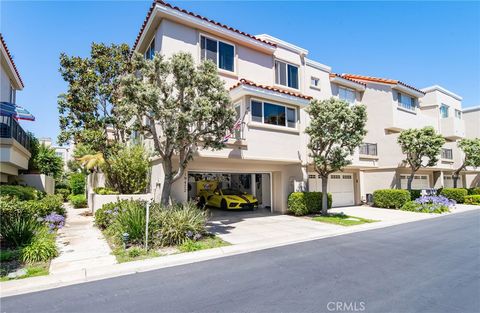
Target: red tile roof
271, 88
380, 80
4, 44
155, 2
352, 80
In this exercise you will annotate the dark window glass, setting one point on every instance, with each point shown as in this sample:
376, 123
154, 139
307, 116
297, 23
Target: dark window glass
150, 51
280, 73
226, 56
209, 49
256, 111
274, 114
292, 76
291, 119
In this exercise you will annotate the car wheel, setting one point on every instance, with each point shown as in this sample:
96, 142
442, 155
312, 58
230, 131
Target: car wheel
223, 204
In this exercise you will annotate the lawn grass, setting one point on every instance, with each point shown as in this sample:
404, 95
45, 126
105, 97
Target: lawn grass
33, 270
206, 243
342, 219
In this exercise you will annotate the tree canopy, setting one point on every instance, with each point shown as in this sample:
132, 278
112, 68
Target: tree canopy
47, 162
471, 149
336, 129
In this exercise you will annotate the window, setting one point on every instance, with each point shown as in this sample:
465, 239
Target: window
273, 114
286, 74
447, 154
368, 149
406, 102
444, 111
219, 52
347, 94
314, 82
458, 114
12, 95
150, 51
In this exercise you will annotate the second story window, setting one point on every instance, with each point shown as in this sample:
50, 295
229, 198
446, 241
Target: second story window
368, 149
314, 82
286, 74
219, 52
273, 114
444, 111
150, 51
347, 94
447, 154
406, 102
12, 95
458, 114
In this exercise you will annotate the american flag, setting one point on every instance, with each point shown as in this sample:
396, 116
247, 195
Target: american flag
237, 125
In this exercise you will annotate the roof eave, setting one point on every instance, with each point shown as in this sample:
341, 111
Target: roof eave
17, 80
242, 90
347, 82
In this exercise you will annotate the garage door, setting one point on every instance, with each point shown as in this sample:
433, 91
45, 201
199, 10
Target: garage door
419, 182
448, 181
340, 185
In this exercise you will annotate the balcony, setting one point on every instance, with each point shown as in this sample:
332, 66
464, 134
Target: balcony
9, 128
452, 128
14, 147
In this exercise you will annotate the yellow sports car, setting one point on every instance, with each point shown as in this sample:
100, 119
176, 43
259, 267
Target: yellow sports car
226, 199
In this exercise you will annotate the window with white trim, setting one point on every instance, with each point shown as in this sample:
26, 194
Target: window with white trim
12, 95
458, 114
150, 51
314, 82
273, 114
444, 111
219, 52
406, 102
347, 94
286, 74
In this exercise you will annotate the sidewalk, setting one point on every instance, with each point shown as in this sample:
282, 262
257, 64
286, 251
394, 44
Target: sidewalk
81, 245
80, 275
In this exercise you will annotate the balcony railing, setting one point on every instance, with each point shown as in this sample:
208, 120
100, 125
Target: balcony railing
9, 128
447, 154
368, 149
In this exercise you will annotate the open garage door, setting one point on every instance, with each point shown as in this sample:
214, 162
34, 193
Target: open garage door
340, 185
257, 185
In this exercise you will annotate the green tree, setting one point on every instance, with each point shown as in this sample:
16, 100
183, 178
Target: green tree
47, 162
130, 168
336, 129
34, 147
420, 145
182, 107
471, 149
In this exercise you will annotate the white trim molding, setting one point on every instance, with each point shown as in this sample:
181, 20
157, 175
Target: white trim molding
442, 90
244, 90
283, 44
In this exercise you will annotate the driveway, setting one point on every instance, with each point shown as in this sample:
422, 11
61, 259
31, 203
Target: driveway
426, 266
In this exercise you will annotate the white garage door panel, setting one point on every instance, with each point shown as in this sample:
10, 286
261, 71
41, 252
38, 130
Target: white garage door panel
419, 182
340, 185
448, 182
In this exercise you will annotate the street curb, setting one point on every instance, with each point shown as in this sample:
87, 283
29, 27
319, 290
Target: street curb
34, 284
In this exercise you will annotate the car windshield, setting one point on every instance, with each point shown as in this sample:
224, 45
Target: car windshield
231, 192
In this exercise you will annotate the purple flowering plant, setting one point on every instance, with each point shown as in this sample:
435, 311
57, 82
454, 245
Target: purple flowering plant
54, 221
430, 204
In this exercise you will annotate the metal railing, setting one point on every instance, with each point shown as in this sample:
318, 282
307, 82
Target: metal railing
9, 128
368, 149
447, 154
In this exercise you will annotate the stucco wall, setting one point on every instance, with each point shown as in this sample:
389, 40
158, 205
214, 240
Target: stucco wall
38, 181
472, 123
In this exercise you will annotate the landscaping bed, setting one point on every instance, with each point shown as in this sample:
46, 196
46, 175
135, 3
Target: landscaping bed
173, 229
342, 219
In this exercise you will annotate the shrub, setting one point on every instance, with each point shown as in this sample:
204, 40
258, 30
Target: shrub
17, 224
105, 216
131, 219
390, 198
127, 171
54, 221
42, 248
105, 191
63, 192
21, 192
78, 201
474, 191
77, 183
429, 204
302, 203
176, 224
472, 199
49, 204
414, 194
456, 194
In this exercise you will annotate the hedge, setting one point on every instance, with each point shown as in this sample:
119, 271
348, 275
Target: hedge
474, 191
415, 194
302, 203
472, 199
78, 201
48, 205
77, 183
21, 192
456, 194
390, 198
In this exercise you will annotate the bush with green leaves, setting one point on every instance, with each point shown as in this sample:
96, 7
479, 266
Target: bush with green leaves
390, 198
456, 194
129, 166
18, 225
77, 183
49, 204
46, 161
41, 248
105, 191
472, 199
78, 201
415, 194
175, 224
63, 192
307, 202
474, 191
130, 219
106, 215
21, 192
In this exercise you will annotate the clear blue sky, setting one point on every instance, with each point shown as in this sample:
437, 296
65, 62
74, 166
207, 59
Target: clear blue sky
420, 43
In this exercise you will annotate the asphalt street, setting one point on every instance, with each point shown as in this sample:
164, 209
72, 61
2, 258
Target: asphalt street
428, 266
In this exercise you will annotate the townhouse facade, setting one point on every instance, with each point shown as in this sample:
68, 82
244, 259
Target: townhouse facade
14, 141
271, 83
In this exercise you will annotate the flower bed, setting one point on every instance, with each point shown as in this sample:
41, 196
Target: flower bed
429, 204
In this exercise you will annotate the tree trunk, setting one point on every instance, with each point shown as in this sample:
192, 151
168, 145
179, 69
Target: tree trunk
167, 183
324, 195
410, 180
456, 175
